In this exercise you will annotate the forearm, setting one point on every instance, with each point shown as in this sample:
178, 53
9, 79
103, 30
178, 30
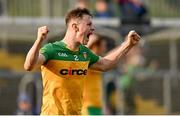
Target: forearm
32, 55
114, 56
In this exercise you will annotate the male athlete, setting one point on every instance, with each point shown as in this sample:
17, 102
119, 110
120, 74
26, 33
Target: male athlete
92, 96
64, 63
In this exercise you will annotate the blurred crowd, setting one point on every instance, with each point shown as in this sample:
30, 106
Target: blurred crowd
135, 9
133, 14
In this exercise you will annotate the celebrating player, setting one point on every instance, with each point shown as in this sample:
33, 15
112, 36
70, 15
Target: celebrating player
64, 63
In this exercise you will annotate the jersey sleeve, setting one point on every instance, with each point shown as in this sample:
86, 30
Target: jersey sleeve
47, 51
93, 58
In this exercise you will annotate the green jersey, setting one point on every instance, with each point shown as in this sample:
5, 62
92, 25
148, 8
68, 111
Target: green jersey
63, 78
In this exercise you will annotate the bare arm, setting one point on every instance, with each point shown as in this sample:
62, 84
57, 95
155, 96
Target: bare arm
33, 57
112, 58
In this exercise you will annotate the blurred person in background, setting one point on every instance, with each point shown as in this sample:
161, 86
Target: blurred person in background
81, 4
153, 66
132, 9
92, 97
64, 63
102, 9
123, 4
24, 105
138, 8
134, 61
111, 92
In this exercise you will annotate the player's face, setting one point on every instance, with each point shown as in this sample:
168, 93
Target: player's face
86, 29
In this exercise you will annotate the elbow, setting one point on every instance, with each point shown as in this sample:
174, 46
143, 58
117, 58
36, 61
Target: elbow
101, 69
27, 68
105, 69
109, 67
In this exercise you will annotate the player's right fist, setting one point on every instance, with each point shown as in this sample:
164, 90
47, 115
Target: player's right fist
42, 32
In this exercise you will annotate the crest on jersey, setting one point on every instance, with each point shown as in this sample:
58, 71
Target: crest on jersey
85, 55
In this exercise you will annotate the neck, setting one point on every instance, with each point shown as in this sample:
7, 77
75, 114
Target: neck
69, 40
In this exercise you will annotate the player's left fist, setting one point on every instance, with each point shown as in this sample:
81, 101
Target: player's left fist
133, 38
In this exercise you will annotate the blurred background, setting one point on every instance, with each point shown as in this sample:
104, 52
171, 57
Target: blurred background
146, 81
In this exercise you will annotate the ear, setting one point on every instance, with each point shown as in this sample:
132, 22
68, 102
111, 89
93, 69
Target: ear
75, 27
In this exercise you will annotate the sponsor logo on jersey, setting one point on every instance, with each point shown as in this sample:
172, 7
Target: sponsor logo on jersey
71, 71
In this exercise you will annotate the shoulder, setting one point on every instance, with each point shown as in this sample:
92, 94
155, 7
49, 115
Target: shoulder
45, 47
53, 45
49, 47
57, 43
84, 48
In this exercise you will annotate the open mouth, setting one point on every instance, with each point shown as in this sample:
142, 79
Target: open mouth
88, 35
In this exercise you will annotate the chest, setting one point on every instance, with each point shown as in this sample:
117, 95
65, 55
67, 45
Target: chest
70, 56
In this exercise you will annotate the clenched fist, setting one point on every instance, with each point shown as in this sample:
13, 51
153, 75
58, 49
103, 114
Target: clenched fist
132, 38
42, 32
